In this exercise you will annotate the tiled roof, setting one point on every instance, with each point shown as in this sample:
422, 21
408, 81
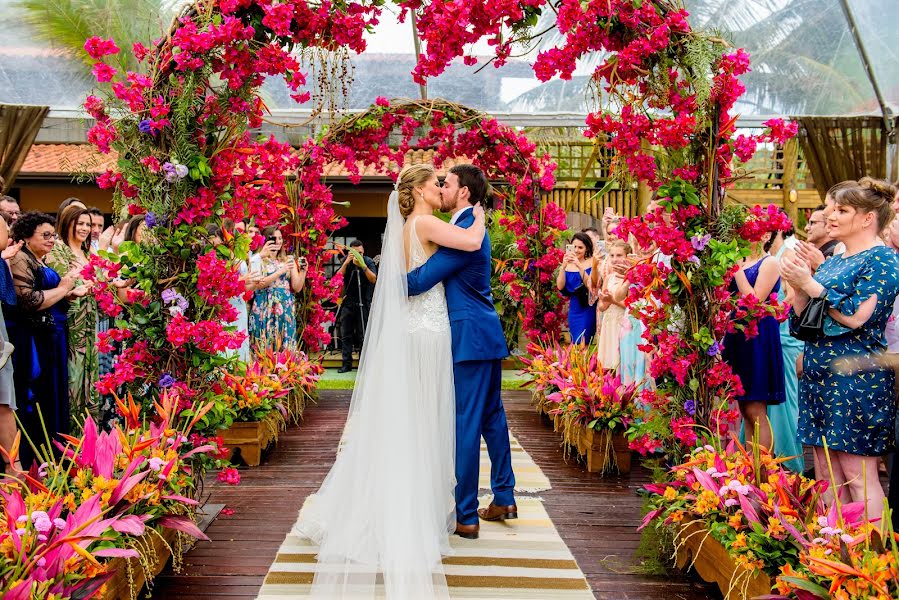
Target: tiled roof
61, 160
47, 160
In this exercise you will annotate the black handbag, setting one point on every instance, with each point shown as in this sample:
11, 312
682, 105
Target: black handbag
810, 326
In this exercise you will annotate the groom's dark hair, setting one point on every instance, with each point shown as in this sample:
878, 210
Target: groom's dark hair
474, 179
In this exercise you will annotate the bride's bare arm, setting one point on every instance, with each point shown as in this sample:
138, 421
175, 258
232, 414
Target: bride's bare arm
449, 236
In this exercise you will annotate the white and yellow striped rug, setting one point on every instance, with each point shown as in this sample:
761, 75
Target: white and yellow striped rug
520, 559
528, 476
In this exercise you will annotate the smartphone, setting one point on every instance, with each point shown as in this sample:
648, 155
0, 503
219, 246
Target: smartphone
569, 247
302, 261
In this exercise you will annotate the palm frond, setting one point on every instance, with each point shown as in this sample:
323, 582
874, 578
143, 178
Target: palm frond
68, 23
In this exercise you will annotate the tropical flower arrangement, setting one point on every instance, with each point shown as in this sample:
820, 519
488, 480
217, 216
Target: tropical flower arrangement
542, 363
860, 564
94, 500
592, 397
575, 386
766, 517
276, 382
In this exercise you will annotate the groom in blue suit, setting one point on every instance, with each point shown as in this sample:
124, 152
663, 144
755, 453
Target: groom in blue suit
478, 349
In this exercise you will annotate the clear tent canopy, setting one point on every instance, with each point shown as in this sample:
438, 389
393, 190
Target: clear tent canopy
805, 62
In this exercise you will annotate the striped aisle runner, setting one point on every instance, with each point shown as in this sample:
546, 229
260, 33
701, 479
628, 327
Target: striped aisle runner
520, 559
523, 559
528, 476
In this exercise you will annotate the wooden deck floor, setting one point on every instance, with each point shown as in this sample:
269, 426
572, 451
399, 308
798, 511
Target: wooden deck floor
596, 517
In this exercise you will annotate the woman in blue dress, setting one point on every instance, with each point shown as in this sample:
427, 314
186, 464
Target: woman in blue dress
758, 361
852, 413
784, 418
573, 281
37, 329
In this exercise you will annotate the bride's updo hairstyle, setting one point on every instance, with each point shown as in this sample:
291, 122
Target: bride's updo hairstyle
410, 178
870, 195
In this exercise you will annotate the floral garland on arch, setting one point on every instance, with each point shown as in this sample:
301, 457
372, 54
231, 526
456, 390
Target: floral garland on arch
186, 159
453, 131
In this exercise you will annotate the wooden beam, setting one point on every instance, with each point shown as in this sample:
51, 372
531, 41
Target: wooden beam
790, 166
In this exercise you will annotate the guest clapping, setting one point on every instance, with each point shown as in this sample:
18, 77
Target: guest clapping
281, 276
611, 299
573, 281
38, 323
70, 255
854, 414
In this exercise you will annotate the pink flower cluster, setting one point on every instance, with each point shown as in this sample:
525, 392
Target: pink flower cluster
208, 336
450, 28
217, 283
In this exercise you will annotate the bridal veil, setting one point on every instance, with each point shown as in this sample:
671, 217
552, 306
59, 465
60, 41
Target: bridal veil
385, 511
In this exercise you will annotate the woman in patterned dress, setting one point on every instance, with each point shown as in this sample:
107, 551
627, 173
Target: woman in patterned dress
854, 413
280, 277
70, 254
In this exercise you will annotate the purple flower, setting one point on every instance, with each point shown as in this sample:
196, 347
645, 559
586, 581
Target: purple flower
151, 220
182, 303
699, 242
169, 295
145, 126
181, 171
170, 175
690, 407
714, 349
166, 381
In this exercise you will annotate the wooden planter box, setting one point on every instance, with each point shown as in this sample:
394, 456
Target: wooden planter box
130, 577
604, 451
697, 549
253, 437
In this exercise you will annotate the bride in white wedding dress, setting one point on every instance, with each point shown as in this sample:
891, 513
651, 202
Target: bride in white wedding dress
385, 511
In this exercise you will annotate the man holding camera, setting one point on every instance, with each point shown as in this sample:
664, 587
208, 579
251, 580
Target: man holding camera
359, 276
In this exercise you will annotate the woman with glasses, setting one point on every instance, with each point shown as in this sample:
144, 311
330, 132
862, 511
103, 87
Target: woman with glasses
37, 329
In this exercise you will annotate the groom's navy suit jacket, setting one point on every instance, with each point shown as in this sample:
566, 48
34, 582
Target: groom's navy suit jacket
477, 332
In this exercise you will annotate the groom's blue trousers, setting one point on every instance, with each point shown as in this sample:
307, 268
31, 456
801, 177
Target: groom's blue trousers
480, 412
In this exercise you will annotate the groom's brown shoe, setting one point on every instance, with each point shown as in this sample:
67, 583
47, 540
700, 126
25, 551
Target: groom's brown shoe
469, 532
498, 513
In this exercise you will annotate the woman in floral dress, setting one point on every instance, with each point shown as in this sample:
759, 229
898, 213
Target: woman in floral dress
273, 318
853, 413
70, 254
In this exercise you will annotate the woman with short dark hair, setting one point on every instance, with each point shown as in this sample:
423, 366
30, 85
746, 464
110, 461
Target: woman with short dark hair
37, 328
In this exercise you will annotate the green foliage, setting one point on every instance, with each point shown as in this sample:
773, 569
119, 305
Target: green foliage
504, 251
68, 23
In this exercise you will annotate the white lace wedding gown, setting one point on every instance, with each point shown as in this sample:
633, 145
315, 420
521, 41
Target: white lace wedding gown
385, 511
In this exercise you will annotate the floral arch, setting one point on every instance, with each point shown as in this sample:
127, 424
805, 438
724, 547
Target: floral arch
380, 137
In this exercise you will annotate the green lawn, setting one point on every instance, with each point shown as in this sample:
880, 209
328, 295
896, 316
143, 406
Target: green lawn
332, 380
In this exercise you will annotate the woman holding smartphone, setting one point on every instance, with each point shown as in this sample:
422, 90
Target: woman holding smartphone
573, 281
273, 317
